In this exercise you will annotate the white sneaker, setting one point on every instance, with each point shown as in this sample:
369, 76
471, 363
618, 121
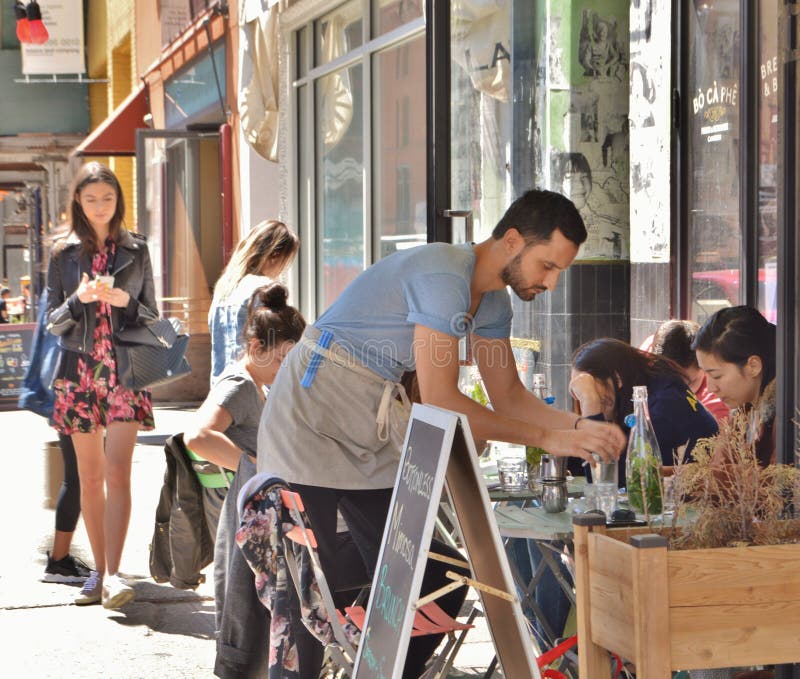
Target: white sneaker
116, 592
90, 592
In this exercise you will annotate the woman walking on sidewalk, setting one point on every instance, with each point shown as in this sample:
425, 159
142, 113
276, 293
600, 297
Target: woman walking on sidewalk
100, 280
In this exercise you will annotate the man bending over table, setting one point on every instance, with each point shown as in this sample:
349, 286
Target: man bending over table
333, 425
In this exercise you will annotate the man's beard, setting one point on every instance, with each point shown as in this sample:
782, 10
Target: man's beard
512, 277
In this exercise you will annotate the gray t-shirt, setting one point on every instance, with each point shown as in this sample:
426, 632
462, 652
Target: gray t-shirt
238, 394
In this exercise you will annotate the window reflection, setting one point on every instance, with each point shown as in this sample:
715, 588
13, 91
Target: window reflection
340, 177
338, 32
400, 161
480, 117
714, 183
390, 14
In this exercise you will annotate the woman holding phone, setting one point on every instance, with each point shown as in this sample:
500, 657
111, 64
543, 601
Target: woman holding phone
99, 280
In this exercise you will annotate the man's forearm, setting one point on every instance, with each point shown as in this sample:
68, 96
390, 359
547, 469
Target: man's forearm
521, 404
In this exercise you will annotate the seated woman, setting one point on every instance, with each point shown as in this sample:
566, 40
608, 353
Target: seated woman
604, 372
673, 339
736, 349
224, 432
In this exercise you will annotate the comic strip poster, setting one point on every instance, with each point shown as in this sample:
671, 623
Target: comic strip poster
588, 141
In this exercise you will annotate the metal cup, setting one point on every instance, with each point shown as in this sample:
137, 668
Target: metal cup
553, 468
554, 496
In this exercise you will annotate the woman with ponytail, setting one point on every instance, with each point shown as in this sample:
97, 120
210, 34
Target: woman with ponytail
225, 427
259, 259
224, 432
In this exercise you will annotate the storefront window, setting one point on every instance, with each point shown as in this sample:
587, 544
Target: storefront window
390, 14
480, 114
399, 172
360, 142
180, 212
340, 181
768, 159
192, 95
338, 32
714, 232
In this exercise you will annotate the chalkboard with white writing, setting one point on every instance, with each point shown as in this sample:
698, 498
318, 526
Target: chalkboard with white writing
406, 541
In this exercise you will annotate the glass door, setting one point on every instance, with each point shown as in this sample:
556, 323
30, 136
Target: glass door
179, 210
483, 150
713, 217
472, 135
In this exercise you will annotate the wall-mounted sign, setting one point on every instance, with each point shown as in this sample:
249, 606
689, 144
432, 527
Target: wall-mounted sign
175, 16
63, 52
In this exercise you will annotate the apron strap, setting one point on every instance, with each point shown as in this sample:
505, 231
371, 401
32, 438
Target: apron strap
390, 389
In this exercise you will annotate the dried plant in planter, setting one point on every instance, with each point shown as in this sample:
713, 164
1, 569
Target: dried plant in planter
729, 499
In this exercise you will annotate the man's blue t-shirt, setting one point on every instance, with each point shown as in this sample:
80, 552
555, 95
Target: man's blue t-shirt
429, 285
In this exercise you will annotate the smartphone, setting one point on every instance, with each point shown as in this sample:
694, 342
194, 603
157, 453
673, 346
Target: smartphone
106, 282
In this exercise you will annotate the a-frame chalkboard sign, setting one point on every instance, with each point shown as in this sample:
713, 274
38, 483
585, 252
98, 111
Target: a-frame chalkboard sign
438, 447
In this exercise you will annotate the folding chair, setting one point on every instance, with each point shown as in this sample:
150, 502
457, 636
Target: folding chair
429, 618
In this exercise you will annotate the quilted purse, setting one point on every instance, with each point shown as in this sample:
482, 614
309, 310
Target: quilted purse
149, 355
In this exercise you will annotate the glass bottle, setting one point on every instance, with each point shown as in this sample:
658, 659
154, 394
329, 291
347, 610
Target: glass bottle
643, 464
533, 454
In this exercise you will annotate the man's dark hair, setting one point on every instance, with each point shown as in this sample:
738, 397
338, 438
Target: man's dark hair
536, 214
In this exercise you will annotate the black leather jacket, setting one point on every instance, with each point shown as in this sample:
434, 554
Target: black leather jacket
72, 320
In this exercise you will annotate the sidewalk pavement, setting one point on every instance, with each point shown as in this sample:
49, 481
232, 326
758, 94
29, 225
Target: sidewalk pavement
164, 633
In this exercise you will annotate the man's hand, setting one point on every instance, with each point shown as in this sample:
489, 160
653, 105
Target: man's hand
607, 440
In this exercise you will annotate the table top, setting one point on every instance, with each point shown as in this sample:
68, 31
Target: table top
533, 523
575, 488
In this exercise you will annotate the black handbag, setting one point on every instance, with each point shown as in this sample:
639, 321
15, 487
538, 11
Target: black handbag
149, 355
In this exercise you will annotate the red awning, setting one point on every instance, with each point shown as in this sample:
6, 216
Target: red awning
116, 135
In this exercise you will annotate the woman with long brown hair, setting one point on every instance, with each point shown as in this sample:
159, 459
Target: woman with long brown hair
259, 259
604, 373
99, 281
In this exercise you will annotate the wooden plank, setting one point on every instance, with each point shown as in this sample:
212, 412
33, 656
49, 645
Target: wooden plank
475, 518
651, 614
611, 586
592, 658
696, 576
624, 534
727, 636
611, 615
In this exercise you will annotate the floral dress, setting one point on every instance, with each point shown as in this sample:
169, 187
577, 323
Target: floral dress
87, 392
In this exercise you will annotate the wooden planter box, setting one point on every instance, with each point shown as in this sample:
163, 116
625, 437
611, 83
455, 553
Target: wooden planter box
672, 610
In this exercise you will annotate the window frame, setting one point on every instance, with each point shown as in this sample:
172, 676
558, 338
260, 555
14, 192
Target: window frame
297, 156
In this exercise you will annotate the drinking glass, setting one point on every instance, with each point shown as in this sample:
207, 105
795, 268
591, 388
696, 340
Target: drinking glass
605, 477
512, 467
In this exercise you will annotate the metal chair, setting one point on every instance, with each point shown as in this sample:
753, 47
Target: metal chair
429, 618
